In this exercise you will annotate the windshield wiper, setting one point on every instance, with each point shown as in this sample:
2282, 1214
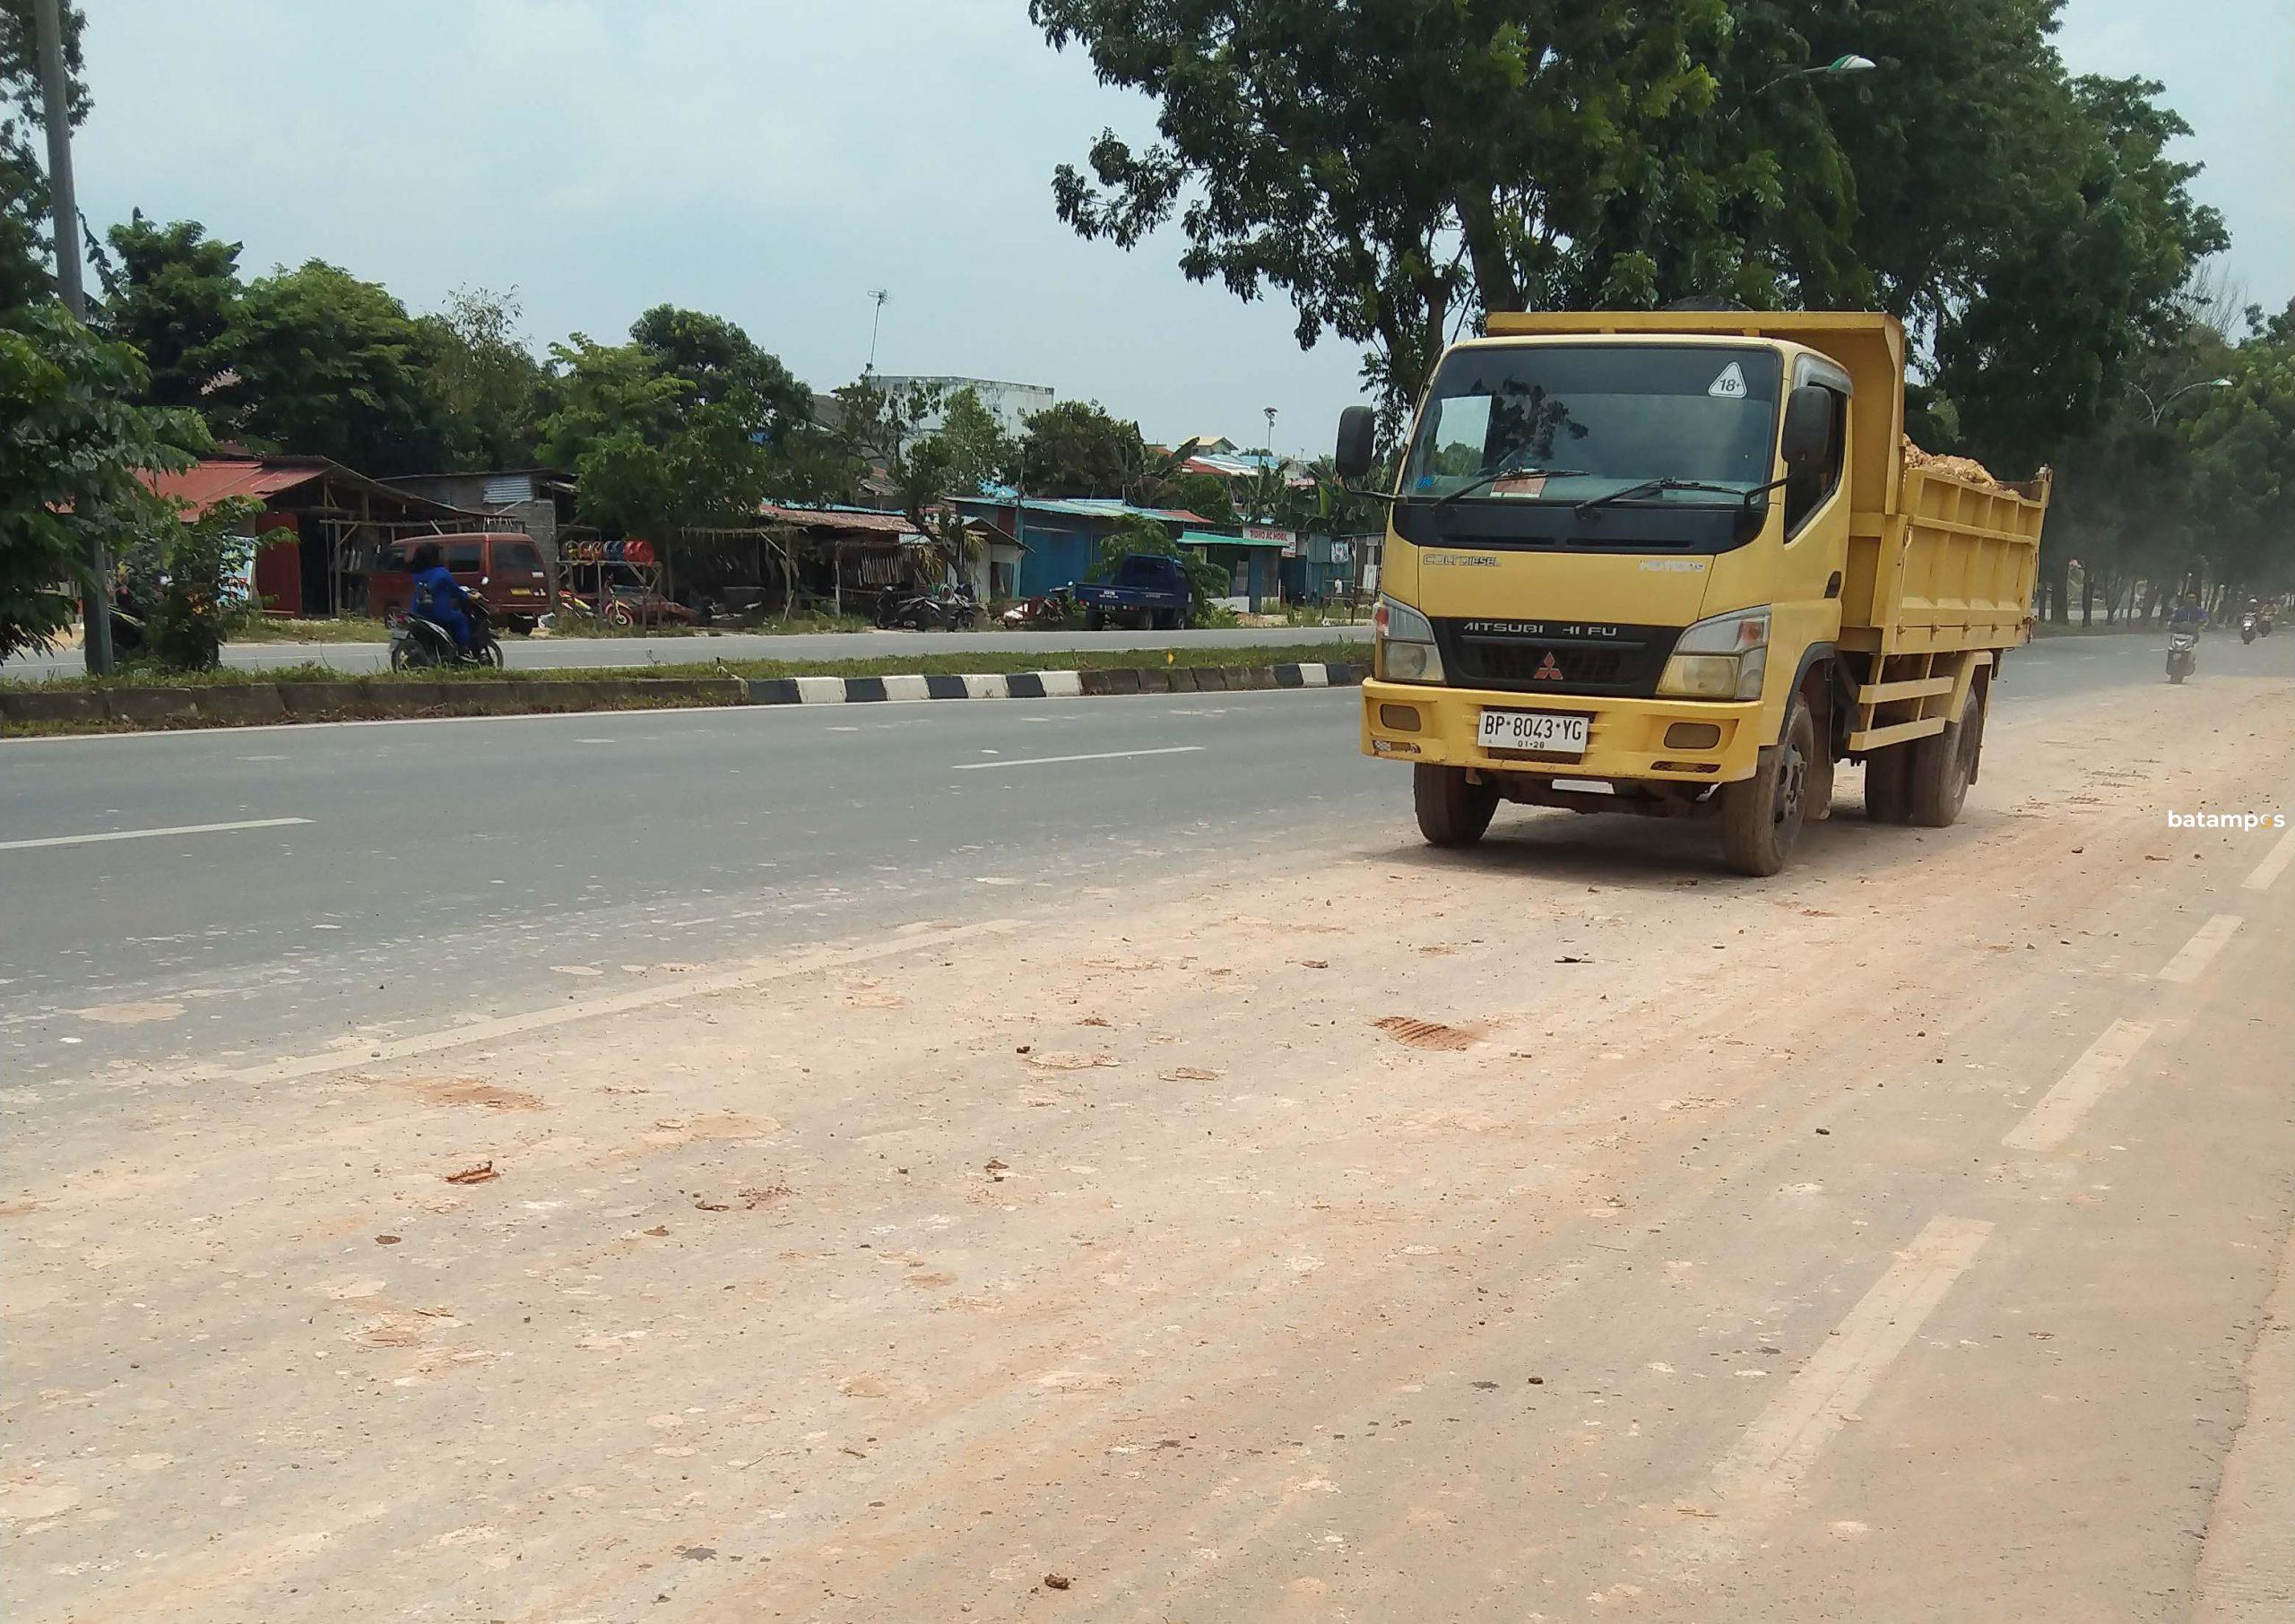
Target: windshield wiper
1506, 471
1650, 488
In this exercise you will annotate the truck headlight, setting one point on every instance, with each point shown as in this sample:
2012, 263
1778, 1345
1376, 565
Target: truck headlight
1723, 658
1402, 645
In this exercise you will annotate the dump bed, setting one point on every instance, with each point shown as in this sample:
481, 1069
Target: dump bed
1953, 567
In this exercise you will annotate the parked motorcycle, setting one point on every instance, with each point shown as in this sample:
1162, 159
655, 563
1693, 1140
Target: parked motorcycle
2183, 655
1054, 608
419, 643
941, 611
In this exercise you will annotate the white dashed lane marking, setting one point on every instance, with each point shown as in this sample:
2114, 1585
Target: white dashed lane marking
112, 835
1779, 1449
2090, 1077
2273, 866
2191, 962
1051, 760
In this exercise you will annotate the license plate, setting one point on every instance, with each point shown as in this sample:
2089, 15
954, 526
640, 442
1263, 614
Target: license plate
1544, 732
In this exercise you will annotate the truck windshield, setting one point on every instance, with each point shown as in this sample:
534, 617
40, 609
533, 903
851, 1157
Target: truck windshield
1547, 423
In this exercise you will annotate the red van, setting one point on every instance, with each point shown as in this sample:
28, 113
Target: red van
502, 567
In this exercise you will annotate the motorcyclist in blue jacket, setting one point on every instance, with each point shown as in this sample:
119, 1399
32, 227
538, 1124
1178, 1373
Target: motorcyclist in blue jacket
438, 596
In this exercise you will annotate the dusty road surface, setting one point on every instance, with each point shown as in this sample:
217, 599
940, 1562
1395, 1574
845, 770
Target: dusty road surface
1562, 1231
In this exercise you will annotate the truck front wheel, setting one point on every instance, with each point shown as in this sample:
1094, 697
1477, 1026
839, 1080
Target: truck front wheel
1762, 816
1094, 621
1453, 811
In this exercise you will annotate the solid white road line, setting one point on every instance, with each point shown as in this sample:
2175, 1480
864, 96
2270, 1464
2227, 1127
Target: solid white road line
674, 991
2090, 1077
2194, 958
1048, 761
1778, 1449
2273, 866
90, 840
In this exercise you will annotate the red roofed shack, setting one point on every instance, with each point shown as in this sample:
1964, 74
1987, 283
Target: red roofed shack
320, 523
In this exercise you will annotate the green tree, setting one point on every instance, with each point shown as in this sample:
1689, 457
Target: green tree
723, 366
1388, 166
1075, 449
73, 443
1203, 494
2242, 448
1207, 582
75, 440
2083, 273
686, 427
24, 209
323, 364
486, 382
171, 291
1397, 167
980, 452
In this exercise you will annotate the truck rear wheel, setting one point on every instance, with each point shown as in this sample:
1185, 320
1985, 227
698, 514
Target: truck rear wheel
1888, 785
1452, 810
1761, 817
1094, 621
1944, 765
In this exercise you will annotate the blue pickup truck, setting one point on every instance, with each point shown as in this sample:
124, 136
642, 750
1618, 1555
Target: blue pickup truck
1149, 591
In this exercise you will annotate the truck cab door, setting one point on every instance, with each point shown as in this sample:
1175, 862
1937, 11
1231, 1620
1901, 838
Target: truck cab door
1817, 502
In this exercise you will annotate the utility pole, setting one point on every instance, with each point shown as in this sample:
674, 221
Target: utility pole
879, 296
95, 603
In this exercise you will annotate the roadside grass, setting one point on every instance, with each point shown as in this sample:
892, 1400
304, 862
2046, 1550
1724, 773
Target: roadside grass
977, 663
278, 628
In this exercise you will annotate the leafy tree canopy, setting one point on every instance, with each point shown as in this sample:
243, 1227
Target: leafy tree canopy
1076, 449
980, 453
171, 291
1396, 167
486, 382
72, 444
323, 364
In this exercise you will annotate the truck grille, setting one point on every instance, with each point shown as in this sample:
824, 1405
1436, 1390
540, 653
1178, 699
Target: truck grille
1547, 657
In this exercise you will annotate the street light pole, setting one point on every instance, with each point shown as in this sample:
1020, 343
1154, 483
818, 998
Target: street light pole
1838, 65
2159, 409
55, 102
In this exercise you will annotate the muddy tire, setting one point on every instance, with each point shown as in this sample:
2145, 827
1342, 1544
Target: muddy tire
1761, 817
1452, 812
1888, 785
1944, 765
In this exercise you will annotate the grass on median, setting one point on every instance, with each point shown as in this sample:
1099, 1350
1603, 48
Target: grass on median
968, 663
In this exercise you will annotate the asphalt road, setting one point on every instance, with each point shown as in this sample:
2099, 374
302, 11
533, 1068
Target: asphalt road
559, 654
441, 868
1176, 1194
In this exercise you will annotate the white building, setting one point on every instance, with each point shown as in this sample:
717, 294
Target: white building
1008, 403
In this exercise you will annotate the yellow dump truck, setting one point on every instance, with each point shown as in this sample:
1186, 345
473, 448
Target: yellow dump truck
1681, 564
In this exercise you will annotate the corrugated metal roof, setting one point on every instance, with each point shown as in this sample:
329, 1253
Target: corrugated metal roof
1084, 507
840, 518
214, 479
204, 485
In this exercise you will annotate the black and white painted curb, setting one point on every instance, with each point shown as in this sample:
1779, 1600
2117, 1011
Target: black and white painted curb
1053, 685
354, 699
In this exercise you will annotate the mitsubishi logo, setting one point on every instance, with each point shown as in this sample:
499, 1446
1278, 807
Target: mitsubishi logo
1547, 670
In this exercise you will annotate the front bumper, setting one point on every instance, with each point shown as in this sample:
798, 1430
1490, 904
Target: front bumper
1625, 739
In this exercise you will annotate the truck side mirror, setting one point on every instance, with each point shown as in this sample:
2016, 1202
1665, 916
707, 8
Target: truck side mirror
1808, 426
1358, 432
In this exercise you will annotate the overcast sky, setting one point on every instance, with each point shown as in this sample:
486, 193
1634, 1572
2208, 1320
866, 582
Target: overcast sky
773, 162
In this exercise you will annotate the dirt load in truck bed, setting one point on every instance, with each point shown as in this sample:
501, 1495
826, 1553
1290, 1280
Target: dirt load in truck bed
1960, 467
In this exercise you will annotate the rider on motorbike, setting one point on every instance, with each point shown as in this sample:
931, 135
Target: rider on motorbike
439, 596
2187, 616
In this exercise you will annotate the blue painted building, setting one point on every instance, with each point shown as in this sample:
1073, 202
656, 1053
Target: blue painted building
1058, 538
